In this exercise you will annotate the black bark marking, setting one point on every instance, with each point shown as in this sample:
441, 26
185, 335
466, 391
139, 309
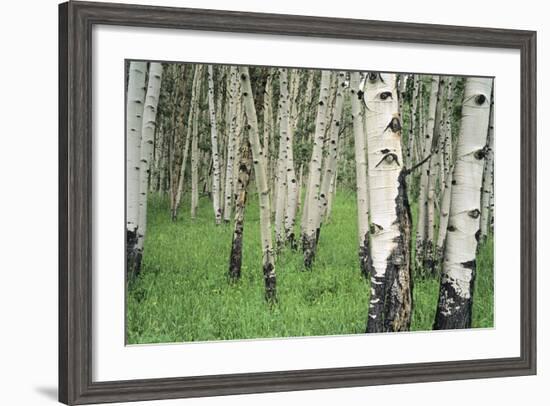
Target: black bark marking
386, 95
133, 255
394, 309
308, 246
360, 94
480, 99
453, 310
394, 125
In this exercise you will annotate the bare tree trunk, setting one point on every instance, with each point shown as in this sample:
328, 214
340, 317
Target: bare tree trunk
454, 309
134, 125
391, 288
234, 100
215, 156
195, 151
365, 262
245, 168
487, 188
148, 131
413, 121
422, 225
261, 185
309, 238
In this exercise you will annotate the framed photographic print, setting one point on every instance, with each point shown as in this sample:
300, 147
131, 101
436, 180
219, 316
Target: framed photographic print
259, 202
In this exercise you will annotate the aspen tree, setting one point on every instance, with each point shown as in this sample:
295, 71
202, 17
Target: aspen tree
361, 173
488, 173
195, 150
189, 135
422, 226
215, 155
309, 238
261, 185
332, 146
454, 309
282, 165
413, 117
147, 134
288, 126
390, 305
245, 168
231, 141
134, 125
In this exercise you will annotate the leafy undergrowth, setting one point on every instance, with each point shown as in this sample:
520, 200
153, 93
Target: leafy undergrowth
183, 293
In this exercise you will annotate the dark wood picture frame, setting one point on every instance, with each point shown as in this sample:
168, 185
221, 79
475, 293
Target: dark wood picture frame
76, 20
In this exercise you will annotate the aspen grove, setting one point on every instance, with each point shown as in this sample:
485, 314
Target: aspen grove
271, 202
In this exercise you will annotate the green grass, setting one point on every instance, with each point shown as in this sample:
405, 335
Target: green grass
183, 293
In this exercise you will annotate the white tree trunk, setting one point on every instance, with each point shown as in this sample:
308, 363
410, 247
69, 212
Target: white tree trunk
309, 239
215, 155
413, 122
234, 100
195, 159
288, 126
332, 146
361, 174
261, 185
422, 225
391, 291
487, 188
147, 134
454, 309
134, 125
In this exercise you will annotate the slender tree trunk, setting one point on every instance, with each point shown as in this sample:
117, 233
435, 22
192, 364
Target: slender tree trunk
365, 262
245, 168
134, 125
195, 151
422, 226
148, 132
309, 238
234, 101
288, 126
487, 187
391, 286
413, 121
261, 185
454, 309
189, 135
215, 155
332, 147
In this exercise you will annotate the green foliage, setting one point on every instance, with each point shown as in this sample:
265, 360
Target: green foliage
183, 293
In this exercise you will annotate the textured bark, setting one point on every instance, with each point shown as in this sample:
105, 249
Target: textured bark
245, 168
189, 135
443, 222
261, 185
134, 126
434, 175
454, 309
309, 240
331, 149
422, 225
288, 125
195, 158
147, 135
413, 120
361, 174
281, 185
487, 188
215, 154
234, 101
391, 286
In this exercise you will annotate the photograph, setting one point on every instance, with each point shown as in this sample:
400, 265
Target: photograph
283, 202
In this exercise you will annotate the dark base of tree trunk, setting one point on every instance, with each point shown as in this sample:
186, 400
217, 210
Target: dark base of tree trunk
438, 259
309, 244
365, 258
235, 259
291, 240
270, 282
428, 260
454, 311
133, 255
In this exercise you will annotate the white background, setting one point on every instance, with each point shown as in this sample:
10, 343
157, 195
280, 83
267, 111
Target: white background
28, 203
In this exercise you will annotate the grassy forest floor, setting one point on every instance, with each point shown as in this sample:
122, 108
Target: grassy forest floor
183, 292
